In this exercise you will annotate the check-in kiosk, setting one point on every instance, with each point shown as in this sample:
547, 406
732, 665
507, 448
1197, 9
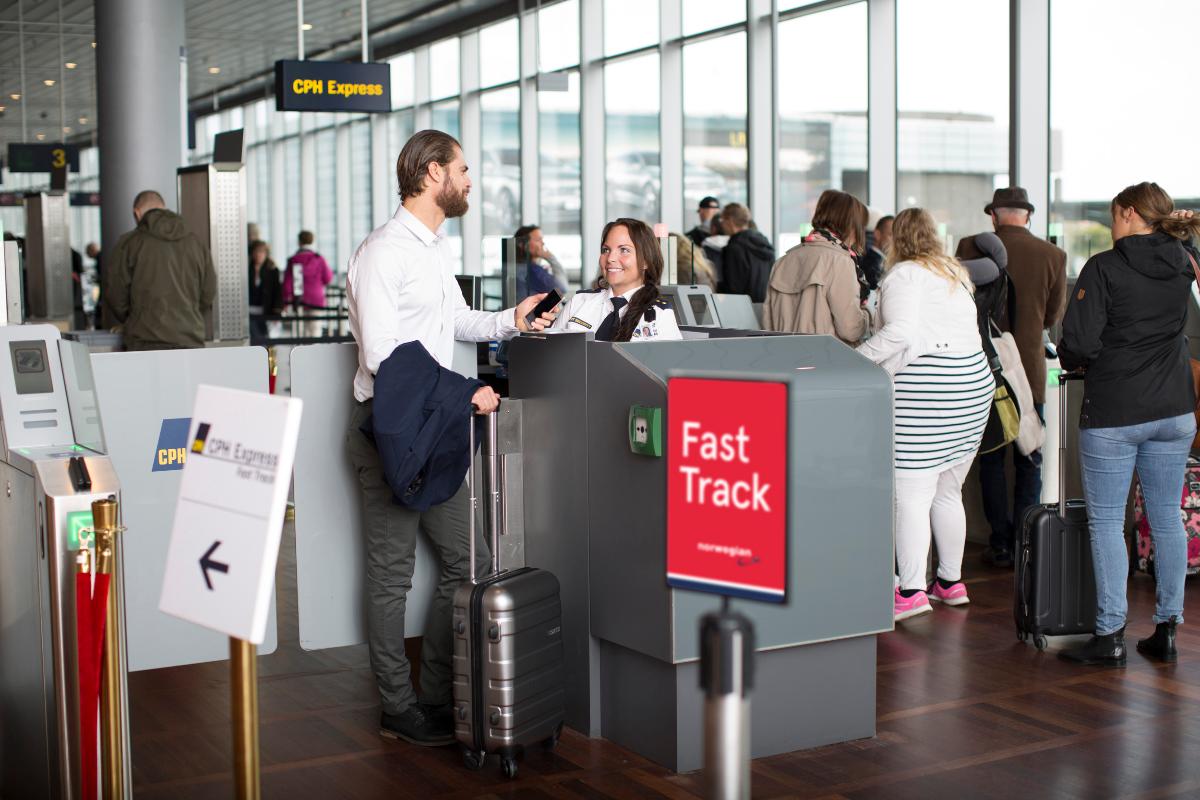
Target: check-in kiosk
48, 257
212, 202
595, 500
52, 469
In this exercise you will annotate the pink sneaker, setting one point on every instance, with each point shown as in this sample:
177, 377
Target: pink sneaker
906, 607
956, 595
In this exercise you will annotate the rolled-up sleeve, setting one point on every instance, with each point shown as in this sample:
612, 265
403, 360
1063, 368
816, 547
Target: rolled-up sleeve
483, 326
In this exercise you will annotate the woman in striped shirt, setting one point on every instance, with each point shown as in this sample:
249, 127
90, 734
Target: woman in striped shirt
929, 342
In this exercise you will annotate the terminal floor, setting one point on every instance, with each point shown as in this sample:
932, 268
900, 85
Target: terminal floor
964, 711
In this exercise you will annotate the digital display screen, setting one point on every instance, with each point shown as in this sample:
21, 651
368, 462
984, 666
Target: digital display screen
700, 309
31, 370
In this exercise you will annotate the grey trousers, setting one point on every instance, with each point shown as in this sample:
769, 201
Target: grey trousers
391, 532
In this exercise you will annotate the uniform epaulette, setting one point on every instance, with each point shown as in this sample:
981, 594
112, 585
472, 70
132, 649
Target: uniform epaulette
588, 291
663, 302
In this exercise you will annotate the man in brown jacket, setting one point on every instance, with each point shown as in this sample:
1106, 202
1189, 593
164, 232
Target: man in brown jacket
1039, 280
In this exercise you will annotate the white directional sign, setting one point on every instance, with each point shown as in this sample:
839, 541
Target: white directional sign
225, 540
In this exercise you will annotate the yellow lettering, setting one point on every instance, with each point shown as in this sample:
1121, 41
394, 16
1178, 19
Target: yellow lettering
298, 86
162, 458
59, 156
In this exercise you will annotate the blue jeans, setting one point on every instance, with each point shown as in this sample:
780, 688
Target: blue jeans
994, 485
1159, 450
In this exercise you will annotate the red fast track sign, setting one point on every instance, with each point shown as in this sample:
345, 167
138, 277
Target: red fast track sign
727, 445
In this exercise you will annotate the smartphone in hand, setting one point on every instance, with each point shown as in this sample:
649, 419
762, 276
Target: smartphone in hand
549, 302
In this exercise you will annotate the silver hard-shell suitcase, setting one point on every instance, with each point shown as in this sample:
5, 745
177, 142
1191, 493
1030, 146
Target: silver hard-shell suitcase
509, 677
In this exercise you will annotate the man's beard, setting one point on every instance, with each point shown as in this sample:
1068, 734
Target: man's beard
452, 203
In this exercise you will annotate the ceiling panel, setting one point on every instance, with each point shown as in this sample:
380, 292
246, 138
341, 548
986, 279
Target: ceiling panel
241, 38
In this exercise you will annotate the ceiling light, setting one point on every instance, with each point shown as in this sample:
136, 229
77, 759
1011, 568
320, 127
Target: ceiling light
307, 26
214, 70
49, 81
71, 65
93, 45
15, 95
66, 129
83, 120
41, 137
2, 109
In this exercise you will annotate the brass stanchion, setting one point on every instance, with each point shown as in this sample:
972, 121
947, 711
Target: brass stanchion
112, 712
243, 674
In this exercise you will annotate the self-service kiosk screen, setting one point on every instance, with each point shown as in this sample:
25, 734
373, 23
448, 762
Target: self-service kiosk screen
701, 310
31, 370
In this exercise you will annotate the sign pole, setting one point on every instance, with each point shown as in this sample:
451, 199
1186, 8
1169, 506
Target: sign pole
726, 677
112, 711
243, 679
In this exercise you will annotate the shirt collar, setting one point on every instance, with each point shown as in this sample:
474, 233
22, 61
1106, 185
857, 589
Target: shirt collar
418, 228
608, 292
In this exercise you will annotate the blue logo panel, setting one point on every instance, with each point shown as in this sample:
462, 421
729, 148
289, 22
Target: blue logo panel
171, 453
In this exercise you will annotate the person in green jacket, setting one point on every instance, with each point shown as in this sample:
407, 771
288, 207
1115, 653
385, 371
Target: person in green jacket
159, 280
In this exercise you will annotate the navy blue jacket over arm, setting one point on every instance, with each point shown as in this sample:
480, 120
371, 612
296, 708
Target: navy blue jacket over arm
419, 425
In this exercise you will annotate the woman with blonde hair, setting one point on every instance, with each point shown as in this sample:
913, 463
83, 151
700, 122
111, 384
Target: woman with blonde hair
928, 340
692, 267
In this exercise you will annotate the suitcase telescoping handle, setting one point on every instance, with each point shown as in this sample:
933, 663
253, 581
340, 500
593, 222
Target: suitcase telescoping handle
490, 427
1063, 378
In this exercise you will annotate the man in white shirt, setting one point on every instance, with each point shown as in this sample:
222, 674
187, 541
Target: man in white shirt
401, 288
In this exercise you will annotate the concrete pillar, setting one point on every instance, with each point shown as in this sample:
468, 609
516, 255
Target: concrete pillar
139, 93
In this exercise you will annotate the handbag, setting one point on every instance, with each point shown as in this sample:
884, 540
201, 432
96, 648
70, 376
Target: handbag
1195, 363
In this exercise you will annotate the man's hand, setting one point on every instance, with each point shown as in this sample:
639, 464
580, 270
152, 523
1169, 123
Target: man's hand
1183, 213
485, 400
526, 307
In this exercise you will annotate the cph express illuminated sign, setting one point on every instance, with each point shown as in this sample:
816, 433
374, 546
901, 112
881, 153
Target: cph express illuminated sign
332, 86
727, 448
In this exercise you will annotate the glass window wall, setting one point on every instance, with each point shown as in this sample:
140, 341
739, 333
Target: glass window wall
714, 121
327, 206
443, 69
404, 80
629, 25
706, 15
361, 223
1093, 154
633, 181
499, 53
291, 193
560, 193
822, 123
952, 106
558, 36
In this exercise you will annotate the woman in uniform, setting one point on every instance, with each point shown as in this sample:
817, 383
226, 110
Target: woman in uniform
627, 306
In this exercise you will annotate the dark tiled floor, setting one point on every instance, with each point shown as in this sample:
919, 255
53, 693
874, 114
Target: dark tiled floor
964, 711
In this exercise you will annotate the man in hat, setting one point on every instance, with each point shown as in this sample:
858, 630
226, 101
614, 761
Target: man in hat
709, 207
1038, 271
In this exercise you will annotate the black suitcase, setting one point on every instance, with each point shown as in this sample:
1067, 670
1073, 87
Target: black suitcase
1055, 592
509, 672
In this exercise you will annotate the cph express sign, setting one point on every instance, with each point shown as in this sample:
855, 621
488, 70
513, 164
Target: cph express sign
727, 448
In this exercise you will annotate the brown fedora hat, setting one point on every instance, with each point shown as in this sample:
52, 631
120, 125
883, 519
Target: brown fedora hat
1012, 197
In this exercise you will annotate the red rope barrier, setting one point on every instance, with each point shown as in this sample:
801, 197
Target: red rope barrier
91, 608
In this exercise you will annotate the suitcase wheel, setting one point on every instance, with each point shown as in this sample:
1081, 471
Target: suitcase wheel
552, 742
1041, 642
509, 764
473, 760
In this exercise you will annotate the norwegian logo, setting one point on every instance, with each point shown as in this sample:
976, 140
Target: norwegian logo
171, 453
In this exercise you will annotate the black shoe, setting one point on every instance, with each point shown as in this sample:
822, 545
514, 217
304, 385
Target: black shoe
998, 557
1162, 644
442, 714
417, 726
1107, 651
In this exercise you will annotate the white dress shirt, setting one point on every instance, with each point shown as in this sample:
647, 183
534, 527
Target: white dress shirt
586, 310
401, 287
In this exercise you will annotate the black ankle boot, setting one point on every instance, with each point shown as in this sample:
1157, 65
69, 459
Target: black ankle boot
1162, 644
1107, 650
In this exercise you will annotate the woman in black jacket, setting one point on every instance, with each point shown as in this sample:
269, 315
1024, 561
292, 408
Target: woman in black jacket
1124, 328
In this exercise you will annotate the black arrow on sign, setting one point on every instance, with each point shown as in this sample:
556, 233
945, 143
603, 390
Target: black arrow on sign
206, 563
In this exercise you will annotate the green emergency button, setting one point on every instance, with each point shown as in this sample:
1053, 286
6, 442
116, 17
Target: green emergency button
645, 431
79, 529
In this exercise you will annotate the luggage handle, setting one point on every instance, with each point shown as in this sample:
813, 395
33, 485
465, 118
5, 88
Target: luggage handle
491, 432
1063, 378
